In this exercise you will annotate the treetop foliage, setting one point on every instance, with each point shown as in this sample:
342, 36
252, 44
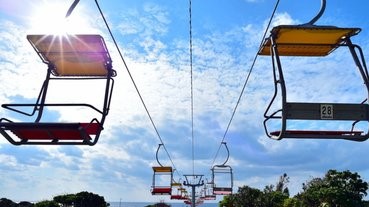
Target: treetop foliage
335, 189
81, 199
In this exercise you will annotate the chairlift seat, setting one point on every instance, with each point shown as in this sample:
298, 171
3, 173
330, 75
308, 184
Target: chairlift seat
300, 40
222, 191
72, 57
161, 190
210, 197
57, 132
177, 197
318, 134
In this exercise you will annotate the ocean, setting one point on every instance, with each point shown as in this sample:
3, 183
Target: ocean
143, 204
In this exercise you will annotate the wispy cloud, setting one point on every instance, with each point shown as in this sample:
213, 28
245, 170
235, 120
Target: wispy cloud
160, 66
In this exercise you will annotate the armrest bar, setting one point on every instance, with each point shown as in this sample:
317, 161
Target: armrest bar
11, 106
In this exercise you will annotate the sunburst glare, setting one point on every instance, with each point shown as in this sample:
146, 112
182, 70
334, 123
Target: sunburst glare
50, 18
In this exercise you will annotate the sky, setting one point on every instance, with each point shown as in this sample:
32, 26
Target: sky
154, 39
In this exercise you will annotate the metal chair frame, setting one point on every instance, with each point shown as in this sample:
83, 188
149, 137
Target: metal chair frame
39, 132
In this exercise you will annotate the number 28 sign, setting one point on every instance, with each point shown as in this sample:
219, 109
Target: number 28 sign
326, 111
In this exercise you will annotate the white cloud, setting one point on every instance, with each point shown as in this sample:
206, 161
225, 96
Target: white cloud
283, 19
147, 21
160, 67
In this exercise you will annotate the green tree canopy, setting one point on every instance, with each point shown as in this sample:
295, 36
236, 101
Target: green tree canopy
335, 189
87, 199
82, 199
247, 196
25, 204
47, 204
67, 199
4, 202
275, 195
228, 201
292, 202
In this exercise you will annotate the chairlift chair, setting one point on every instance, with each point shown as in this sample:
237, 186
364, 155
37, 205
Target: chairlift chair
159, 187
180, 192
222, 172
162, 180
308, 40
176, 186
222, 177
68, 57
207, 191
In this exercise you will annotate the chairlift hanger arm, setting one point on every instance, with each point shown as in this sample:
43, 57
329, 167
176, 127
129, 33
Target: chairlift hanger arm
226, 147
320, 13
157, 155
71, 8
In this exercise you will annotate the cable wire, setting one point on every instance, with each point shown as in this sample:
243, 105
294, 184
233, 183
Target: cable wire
135, 85
246, 81
192, 128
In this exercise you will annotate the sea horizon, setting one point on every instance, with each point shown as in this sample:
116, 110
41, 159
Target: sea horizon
143, 204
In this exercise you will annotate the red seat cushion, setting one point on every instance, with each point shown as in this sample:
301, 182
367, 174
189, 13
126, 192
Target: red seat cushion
311, 132
53, 131
162, 190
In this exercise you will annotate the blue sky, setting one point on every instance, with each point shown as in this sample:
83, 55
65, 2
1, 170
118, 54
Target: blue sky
154, 39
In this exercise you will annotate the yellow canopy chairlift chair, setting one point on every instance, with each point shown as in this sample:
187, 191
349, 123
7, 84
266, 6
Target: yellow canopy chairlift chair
207, 191
309, 40
222, 177
68, 57
162, 178
180, 193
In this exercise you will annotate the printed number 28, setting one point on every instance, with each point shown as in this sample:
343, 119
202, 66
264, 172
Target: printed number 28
326, 111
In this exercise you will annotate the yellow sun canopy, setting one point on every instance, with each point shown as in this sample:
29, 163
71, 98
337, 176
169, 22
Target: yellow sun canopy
73, 55
162, 169
298, 40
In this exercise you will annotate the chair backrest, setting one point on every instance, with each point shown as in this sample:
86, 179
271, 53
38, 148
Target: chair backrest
73, 55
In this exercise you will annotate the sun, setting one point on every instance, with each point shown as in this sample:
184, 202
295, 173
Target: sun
48, 17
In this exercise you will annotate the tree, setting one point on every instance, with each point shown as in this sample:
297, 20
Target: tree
335, 189
25, 204
81, 199
282, 184
86, 199
247, 196
4, 202
311, 195
292, 202
46, 204
274, 198
161, 204
275, 195
65, 200
228, 201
